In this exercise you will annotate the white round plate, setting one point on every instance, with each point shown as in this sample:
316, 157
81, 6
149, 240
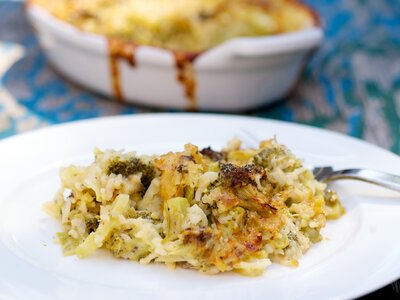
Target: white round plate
360, 251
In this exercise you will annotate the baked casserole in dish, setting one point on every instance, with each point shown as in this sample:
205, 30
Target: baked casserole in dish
199, 54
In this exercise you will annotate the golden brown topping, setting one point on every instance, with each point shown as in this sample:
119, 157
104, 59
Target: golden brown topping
235, 176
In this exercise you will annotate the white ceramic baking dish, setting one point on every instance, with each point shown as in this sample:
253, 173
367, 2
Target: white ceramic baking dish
240, 74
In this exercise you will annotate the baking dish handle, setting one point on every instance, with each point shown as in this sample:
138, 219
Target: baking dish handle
285, 43
260, 47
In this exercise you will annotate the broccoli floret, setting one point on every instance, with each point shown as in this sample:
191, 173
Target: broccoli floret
264, 158
235, 176
130, 167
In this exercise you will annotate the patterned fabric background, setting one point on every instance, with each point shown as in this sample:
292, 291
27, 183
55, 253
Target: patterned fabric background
353, 83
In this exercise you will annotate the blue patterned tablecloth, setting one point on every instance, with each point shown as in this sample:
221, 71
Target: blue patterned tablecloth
352, 84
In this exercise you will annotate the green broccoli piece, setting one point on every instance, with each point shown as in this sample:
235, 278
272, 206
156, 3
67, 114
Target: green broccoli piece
263, 158
279, 156
130, 167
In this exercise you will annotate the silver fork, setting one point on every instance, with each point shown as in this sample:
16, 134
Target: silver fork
328, 174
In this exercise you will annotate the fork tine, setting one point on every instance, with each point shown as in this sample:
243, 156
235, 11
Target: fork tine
248, 138
321, 173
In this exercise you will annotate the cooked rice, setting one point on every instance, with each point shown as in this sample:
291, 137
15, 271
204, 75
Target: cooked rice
233, 210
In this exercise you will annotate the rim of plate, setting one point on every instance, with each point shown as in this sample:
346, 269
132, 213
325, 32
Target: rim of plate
215, 117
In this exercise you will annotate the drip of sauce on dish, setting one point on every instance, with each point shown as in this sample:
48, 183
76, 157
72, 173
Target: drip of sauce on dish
184, 62
119, 50
186, 76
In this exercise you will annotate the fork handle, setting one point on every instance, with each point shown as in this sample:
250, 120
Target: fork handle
389, 181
